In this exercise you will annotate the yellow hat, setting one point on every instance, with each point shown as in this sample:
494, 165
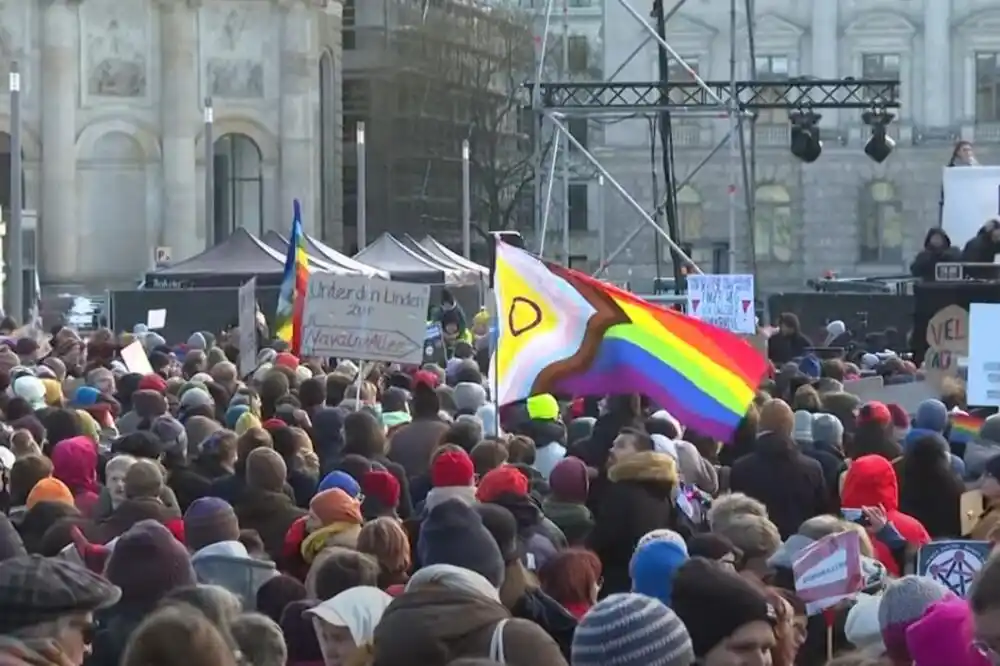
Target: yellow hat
246, 421
53, 392
543, 407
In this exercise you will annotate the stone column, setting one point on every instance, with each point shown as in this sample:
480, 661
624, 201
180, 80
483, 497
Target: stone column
299, 143
180, 116
825, 55
937, 63
59, 226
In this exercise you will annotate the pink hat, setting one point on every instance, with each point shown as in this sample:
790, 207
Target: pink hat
943, 636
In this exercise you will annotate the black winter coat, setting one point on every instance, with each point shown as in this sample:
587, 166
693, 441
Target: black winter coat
783, 348
789, 483
980, 249
271, 514
637, 500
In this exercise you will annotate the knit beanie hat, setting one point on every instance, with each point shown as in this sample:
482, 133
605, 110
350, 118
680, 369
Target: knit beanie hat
714, 602
335, 506
861, 627
171, 432
631, 630
828, 430
279, 591
210, 520
453, 533
802, 431
502, 524
50, 490
931, 415
152, 382
383, 488
266, 470
503, 480
148, 562
469, 397
143, 480
542, 407
569, 480
653, 567
904, 602
944, 636
342, 480
453, 469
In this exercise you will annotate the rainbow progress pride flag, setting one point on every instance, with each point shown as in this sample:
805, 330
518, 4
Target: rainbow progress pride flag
291, 298
964, 428
560, 331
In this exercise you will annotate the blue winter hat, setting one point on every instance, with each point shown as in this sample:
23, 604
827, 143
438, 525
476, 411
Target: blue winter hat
653, 566
86, 396
342, 480
631, 630
234, 413
810, 366
931, 415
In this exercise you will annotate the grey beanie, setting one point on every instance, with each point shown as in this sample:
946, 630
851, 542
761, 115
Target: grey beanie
827, 429
631, 630
468, 397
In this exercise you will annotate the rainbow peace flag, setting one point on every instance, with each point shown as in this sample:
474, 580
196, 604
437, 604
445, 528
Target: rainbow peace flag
964, 428
560, 331
292, 297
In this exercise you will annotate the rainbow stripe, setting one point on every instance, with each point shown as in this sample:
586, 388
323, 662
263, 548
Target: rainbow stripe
595, 339
291, 298
964, 428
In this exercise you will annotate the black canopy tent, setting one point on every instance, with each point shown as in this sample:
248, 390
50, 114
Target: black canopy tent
279, 243
228, 264
316, 248
404, 264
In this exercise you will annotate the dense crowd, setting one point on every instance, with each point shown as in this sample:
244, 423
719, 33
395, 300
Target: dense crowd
349, 514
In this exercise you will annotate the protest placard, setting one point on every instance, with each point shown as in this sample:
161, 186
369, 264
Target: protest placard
725, 301
156, 319
247, 304
828, 571
135, 359
953, 563
363, 319
983, 385
947, 341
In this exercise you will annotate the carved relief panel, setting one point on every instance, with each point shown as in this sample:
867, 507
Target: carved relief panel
115, 38
234, 44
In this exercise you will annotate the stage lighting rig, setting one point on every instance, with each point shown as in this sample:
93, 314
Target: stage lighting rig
805, 141
880, 145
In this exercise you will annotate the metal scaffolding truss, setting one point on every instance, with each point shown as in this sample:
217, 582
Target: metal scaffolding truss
554, 102
647, 97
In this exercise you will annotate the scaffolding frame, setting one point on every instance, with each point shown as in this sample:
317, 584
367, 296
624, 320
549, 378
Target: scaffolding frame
553, 102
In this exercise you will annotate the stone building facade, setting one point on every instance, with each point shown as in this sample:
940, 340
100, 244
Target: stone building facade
844, 212
113, 129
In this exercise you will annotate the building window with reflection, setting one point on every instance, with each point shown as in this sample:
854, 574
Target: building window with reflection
772, 68
773, 223
690, 218
239, 186
881, 224
988, 87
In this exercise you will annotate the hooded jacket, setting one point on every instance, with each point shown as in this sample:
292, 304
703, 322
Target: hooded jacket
981, 247
638, 500
74, 462
789, 483
433, 626
229, 565
132, 511
927, 260
550, 444
271, 514
871, 481
328, 437
411, 446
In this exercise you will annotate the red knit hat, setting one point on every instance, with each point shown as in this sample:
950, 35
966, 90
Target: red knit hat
153, 382
425, 377
273, 423
875, 411
382, 486
501, 481
287, 360
452, 468
900, 419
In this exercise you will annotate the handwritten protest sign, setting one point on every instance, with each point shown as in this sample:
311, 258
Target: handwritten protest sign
948, 341
725, 301
248, 327
135, 359
362, 319
828, 571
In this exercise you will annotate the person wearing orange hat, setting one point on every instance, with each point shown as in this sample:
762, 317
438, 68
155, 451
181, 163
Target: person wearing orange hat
334, 519
50, 490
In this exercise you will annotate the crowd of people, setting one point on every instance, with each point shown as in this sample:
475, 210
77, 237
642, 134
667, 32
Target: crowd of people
322, 513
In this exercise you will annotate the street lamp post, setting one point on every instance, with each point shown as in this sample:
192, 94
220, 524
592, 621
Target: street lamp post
209, 118
15, 237
362, 188
466, 203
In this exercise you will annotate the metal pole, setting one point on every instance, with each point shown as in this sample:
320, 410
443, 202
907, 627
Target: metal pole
466, 203
564, 75
680, 185
602, 239
210, 173
15, 236
362, 189
735, 127
556, 141
538, 118
596, 163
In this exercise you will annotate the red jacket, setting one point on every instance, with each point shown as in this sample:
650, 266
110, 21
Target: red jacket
871, 481
292, 562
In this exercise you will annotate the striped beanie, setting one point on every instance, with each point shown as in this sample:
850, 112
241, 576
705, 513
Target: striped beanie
631, 630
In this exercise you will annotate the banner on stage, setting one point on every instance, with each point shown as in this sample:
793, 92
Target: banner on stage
971, 198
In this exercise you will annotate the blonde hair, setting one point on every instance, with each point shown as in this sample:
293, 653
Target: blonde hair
386, 540
726, 507
22, 443
818, 527
755, 535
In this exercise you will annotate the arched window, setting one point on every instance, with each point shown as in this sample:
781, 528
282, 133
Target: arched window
239, 186
881, 224
690, 220
773, 228
328, 139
